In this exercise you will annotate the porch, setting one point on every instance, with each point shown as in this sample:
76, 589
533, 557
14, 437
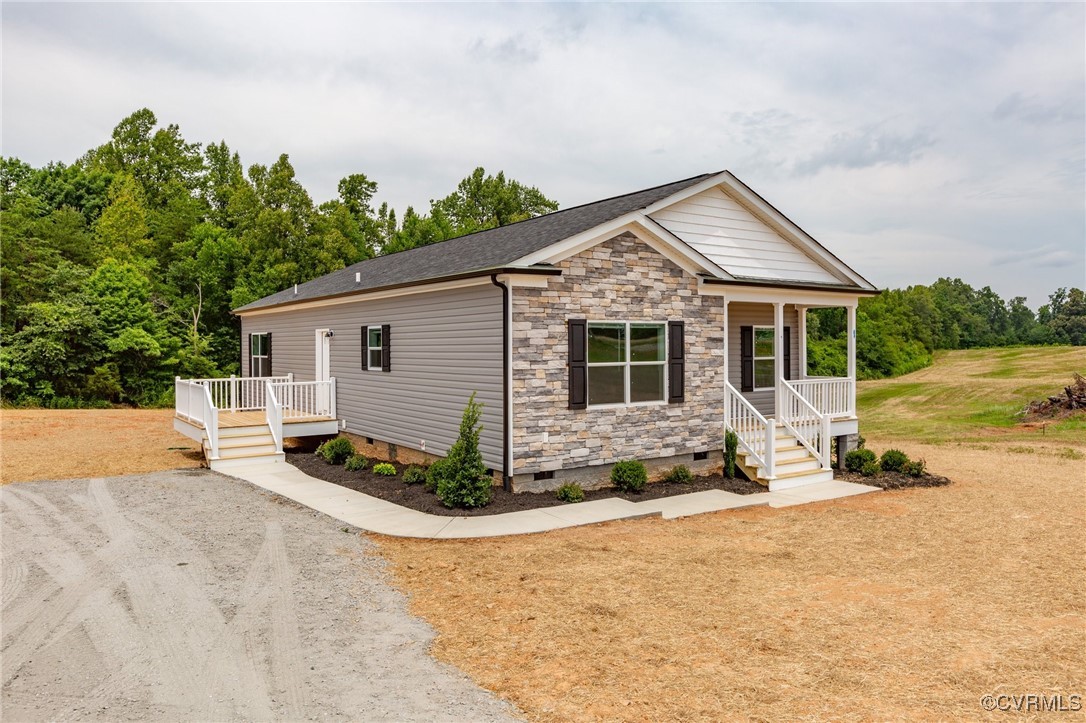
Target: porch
242, 418
784, 418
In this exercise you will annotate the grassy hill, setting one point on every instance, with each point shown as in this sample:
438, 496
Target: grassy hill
974, 395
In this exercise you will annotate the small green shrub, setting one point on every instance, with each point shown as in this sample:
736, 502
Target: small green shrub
857, 458
437, 471
464, 482
355, 463
336, 451
861, 441
570, 492
414, 475
629, 475
731, 448
870, 469
893, 460
679, 473
914, 468
384, 469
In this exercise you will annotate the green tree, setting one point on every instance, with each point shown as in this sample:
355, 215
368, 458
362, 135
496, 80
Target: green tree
463, 481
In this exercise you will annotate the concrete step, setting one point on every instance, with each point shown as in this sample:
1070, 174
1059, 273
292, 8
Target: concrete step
784, 482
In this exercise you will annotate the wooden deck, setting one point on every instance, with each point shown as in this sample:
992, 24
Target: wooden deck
255, 419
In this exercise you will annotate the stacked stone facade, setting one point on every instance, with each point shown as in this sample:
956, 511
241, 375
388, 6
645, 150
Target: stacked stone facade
622, 279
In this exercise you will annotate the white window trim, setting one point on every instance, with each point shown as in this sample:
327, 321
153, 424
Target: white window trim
755, 358
258, 356
625, 364
366, 343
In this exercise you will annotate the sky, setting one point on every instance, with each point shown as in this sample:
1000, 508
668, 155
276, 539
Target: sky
913, 140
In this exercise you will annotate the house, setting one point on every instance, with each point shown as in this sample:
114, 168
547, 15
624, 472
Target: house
637, 327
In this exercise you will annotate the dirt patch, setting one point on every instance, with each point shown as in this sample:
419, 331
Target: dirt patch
68, 443
909, 604
416, 497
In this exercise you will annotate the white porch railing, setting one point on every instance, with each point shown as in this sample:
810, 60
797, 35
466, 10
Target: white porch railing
829, 395
754, 431
274, 414
305, 399
805, 422
194, 404
239, 394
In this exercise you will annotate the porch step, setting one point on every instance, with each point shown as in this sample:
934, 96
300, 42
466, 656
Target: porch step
257, 450
227, 432
254, 440
785, 482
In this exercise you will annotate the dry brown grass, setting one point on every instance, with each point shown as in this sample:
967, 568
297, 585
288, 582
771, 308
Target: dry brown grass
68, 443
909, 604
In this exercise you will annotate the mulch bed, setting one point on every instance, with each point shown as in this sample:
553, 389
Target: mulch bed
416, 497
893, 480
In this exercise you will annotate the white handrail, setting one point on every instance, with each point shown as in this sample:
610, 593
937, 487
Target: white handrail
211, 423
301, 400
810, 427
829, 395
754, 431
274, 415
238, 394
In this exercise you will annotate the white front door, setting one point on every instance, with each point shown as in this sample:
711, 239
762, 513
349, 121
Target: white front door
322, 372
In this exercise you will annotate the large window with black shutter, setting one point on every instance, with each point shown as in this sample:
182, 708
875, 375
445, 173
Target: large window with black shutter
623, 362
375, 348
260, 354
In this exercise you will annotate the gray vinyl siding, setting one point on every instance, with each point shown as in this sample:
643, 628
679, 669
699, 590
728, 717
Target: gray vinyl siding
444, 346
743, 314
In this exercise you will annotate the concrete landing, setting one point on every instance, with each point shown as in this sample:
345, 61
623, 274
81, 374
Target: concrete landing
387, 518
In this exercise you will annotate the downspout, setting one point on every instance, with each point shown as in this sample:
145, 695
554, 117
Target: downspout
507, 463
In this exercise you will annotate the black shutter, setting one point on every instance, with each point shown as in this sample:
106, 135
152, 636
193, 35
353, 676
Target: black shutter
386, 362
578, 363
787, 352
249, 352
746, 358
676, 362
365, 348
268, 361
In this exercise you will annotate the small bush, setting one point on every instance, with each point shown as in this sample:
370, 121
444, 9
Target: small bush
437, 471
679, 473
731, 448
384, 469
893, 460
355, 463
414, 475
629, 476
861, 441
857, 458
336, 451
914, 468
870, 469
570, 492
464, 482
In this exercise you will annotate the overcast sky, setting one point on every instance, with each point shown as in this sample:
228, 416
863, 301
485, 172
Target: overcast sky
913, 140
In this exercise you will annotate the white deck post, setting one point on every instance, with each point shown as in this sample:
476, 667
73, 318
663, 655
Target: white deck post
233, 393
726, 371
852, 359
778, 356
801, 312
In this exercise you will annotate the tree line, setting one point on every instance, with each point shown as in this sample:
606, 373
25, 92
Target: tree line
119, 270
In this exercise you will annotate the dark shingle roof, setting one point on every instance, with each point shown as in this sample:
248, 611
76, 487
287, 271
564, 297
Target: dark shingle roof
496, 248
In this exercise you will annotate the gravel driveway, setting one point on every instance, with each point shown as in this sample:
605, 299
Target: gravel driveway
189, 595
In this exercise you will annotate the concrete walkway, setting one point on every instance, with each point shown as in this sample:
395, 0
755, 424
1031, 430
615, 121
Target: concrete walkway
388, 518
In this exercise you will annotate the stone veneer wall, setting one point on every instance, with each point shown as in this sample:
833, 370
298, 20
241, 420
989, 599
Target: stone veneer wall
621, 279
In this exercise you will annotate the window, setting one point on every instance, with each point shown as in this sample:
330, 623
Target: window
373, 347
260, 355
625, 363
764, 358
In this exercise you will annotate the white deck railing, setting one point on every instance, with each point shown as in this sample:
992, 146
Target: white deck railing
829, 395
199, 401
239, 394
805, 422
754, 431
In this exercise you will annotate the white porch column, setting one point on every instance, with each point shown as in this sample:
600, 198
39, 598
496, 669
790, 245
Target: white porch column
778, 355
852, 357
727, 371
801, 312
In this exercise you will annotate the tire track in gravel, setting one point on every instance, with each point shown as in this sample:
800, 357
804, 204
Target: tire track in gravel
180, 652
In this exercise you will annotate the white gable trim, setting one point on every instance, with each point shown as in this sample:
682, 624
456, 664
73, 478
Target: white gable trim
645, 229
781, 223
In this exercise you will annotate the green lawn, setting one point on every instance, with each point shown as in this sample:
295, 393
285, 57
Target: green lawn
974, 395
